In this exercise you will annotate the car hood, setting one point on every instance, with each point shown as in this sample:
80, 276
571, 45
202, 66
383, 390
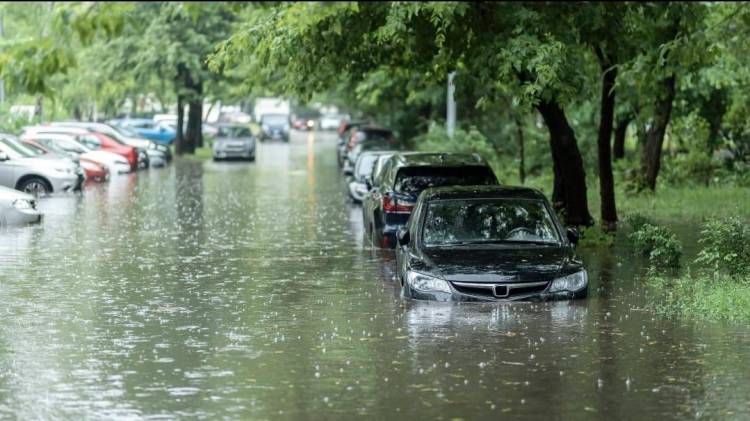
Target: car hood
46, 160
11, 194
497, 264
104, 157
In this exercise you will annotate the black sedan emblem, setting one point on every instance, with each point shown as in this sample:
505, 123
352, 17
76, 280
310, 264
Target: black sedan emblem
500, 291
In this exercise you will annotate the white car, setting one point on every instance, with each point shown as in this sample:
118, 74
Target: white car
66, 143
17, 208
332, 121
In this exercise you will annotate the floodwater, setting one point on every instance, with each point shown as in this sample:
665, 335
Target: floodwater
244, 291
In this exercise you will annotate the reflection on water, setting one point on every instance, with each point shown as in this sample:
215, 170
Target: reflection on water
245, 290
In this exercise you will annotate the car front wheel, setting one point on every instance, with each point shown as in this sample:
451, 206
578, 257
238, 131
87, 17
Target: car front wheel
35, 186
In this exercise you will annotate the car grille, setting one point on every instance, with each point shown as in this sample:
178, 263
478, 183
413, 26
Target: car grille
500, 291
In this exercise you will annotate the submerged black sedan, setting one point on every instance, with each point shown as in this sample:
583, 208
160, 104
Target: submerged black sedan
487, 243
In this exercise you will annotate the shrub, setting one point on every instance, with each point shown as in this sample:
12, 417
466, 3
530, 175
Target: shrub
726, 245
638, 220
595, 236
658, 244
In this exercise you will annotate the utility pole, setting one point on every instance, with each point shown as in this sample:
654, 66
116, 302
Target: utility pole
450, 118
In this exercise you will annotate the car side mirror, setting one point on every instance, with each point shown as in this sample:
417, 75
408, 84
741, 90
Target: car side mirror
4, 156
403, 236
573, 235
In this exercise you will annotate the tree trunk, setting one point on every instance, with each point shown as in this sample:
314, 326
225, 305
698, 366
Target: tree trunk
606, 180
39, 108
569, 192
195, 117
655, 133
521, 155
179, 140
618, 151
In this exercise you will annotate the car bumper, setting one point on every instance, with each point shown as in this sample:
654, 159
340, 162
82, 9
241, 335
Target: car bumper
13, 216
222, 154
66, 183
456, 296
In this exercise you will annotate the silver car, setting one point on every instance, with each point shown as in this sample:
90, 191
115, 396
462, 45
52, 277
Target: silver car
17, 208
234, 141
22, 169
363, 172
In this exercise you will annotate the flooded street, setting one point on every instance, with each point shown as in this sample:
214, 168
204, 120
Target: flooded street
244, 291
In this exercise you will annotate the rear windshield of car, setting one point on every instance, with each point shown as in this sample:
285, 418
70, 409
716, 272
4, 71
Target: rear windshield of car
488, 221
416, 179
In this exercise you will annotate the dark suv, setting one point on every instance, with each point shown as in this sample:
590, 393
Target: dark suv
395, 189
274, 127
366, 134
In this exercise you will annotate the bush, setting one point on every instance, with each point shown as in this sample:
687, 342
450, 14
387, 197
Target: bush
726, 246
465, 141
658, 244
638, 220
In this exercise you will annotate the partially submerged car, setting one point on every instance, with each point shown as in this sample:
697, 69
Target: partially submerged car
17, 208
148, 129
362, 174
94, 141
487, 243
391, 199
234, 141
94, 170
25, 170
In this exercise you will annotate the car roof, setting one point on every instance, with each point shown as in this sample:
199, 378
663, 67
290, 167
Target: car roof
48, 135
481, 192
437, 159
374, 128
55, 129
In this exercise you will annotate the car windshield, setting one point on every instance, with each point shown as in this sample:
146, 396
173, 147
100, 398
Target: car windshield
71, 146
416, 179
234, 132
125, 131
488, 221
275, 119
15, 149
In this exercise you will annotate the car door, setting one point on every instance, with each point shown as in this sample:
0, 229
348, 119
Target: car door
7, 171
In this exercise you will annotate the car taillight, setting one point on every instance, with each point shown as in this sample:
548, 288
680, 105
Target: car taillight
392, 205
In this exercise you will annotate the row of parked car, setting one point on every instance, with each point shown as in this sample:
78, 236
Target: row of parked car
459, 234
62, 156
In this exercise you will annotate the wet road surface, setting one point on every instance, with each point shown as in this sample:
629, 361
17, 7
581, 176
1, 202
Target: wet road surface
244, 291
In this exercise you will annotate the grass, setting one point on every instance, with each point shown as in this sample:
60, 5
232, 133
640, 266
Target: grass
703, 296
201, 154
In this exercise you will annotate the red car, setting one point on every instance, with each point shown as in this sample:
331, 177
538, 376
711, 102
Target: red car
94, 170
108, 144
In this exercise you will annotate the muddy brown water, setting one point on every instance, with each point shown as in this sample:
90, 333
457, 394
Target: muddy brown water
244, 291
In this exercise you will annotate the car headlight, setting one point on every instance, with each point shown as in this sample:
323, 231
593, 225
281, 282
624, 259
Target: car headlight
573, 282
425, 283
23, 204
